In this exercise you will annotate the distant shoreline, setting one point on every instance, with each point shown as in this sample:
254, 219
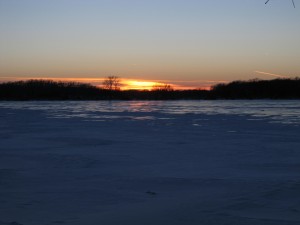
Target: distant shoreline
48, 90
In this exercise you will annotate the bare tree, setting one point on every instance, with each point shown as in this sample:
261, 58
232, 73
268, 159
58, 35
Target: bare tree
112, 83
162, 87
292, 1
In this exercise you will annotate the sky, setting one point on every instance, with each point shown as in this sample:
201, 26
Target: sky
186, 43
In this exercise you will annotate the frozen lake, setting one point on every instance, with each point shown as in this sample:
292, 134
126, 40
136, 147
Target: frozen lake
150, 162
277, 111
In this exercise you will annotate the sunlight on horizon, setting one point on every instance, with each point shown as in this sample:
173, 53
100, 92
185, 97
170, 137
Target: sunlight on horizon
138, 85
125, 83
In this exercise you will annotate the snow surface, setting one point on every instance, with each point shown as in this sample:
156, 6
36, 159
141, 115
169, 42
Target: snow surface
146, 163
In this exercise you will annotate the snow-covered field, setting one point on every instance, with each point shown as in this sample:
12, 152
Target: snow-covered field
150, 163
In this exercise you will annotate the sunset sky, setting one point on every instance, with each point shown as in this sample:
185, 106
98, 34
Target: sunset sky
186, 43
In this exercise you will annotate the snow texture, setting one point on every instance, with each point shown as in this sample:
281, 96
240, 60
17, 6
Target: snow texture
149, 163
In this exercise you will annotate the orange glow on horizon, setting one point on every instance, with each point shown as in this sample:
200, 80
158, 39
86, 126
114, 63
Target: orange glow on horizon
138, 85
126, 83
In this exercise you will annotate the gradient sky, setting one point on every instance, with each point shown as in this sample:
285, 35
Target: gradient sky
186, 42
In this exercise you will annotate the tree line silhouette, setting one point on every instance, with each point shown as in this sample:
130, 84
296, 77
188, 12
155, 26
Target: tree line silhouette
282, 88
53, 90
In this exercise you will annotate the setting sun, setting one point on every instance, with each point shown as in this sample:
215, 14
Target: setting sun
138, 85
